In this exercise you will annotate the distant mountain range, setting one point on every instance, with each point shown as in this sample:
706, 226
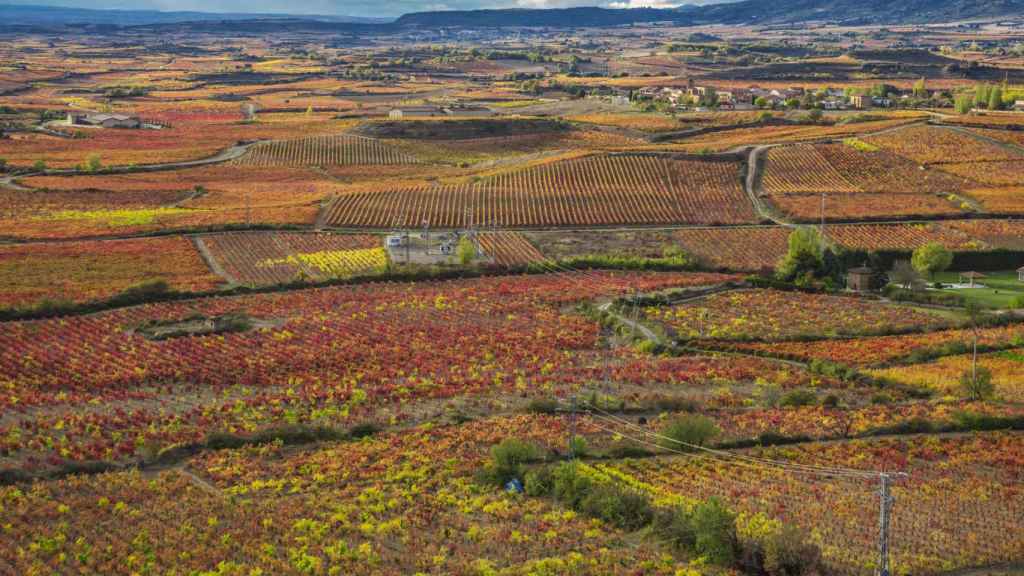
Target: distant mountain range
743, 12
30, 15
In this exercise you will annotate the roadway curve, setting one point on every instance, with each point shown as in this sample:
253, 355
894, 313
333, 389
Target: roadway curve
225, 155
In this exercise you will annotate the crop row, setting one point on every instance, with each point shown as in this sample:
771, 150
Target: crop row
596, 190
939, 523
776, 315
338, 149
278, 257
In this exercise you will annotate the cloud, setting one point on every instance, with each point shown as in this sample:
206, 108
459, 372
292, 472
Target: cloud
645, 4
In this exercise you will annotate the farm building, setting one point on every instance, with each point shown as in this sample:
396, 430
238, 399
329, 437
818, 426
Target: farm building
1020, 273
104, 120
415, 112
859, 279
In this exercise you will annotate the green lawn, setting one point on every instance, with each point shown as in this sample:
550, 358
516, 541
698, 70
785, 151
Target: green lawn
1001, 288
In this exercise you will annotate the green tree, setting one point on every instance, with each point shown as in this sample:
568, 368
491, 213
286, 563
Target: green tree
982, 92
963, 103
39, 165
761, 102
466, 251
805, 254
976, 384
931, 259
995, 98
920, 89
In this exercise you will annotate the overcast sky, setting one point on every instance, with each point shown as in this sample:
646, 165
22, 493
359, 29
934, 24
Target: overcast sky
373, 8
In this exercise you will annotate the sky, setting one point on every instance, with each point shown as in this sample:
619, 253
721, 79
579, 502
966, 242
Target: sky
370, 8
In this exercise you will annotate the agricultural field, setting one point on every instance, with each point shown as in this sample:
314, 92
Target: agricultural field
268, 258
334, 150
942, 376
595, 190
82, 271
771, 315
934, 145
318, 297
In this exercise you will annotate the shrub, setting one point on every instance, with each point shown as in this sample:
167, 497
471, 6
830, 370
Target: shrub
801, 397
689, 431
364, 430
508, 460
539, 482
617, 506
674, 525
977, 384
788, 553
542, 406
628, 450
579, 447
569, 486
714, 527
881, 398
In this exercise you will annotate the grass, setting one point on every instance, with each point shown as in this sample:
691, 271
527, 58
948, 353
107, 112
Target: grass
1000, 288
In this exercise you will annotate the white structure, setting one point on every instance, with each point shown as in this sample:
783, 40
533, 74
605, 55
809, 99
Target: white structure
104, 120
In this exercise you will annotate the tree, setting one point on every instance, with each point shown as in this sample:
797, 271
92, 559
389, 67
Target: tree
466, 251
976, 383
995, 98
39, 165
931, 259
964, 103
3, 164
905, 275
761, 102
805, 254
920, 89
982, 92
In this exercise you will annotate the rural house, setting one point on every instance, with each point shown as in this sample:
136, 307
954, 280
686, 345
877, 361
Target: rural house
415, 112
104, 120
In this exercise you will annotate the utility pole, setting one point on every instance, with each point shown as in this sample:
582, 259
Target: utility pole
426, 237
885, 503
885, 510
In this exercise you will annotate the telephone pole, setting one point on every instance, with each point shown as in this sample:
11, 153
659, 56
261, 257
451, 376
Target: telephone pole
885, 500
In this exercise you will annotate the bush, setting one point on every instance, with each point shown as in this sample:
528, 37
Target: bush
801, 397
542, 406
508, 460
788, 553
714, 527
538, 482
617, 506
622, 450
569, 486
579, 447
977, 384
674, 525
689, 431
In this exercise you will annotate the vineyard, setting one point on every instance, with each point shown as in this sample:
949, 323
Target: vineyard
595, 190
906, 237
259, 258
750, 249
931, 145
802, 169
81, 271
774, 315
940, 525
350, 348
942, 376
509, 249
846, 207
338, 150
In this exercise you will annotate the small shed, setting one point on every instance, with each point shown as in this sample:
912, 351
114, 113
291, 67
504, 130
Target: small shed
970, 277
859, 279
1020, 273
